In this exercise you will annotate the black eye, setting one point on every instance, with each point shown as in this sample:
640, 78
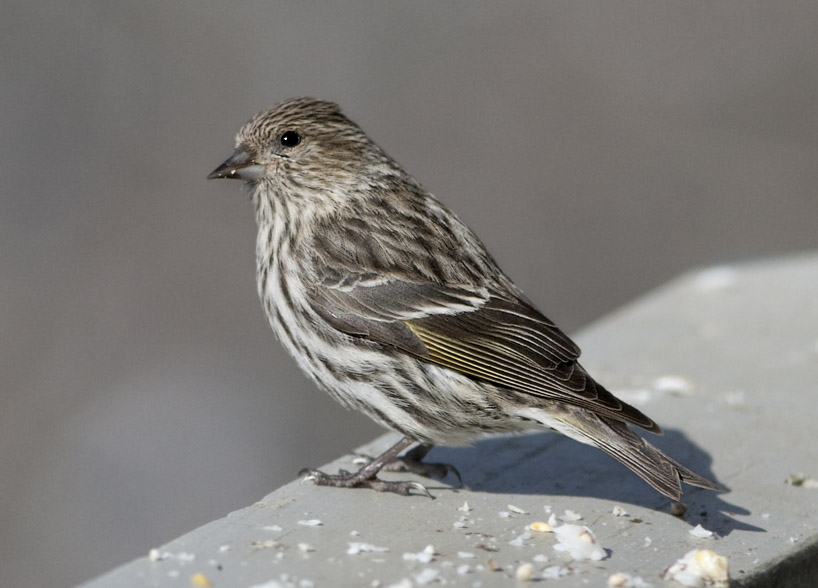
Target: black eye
290, 139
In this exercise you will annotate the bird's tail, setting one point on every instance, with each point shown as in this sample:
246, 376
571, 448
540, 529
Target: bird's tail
664, 473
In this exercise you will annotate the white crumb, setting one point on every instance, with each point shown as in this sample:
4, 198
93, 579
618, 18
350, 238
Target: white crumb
425, 556
700, 532
700, 568
571, 515
271, 528
622, 580
520, 540
465, 555
673, 385
270, 584
311, 523
182, 557
578, 541
355, 548
555, 572
524, 573
618, 511
305, 547
465, 507
504, 514
517, 509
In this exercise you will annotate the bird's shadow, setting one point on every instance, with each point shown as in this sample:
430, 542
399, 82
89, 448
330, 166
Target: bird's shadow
549, 464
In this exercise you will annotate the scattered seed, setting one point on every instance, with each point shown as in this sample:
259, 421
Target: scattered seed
525, 572
677, 509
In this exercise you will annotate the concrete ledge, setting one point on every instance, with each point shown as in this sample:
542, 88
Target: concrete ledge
726, 360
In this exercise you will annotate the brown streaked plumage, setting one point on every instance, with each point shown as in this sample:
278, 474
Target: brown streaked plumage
391, 304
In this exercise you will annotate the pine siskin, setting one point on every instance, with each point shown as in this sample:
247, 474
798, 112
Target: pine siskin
393, 306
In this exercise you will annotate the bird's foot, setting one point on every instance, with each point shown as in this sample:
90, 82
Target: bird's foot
413, 462
363, 479
367, 476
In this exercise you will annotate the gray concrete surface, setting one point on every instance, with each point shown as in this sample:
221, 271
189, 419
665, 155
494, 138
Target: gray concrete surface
725, 359
599, 149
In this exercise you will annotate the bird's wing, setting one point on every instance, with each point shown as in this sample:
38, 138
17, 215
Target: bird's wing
494, 336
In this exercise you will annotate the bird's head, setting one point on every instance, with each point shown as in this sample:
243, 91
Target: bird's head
302, 146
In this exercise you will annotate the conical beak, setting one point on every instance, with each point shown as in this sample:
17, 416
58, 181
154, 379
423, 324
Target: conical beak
240, 166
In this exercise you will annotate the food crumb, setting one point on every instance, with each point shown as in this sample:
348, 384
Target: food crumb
622, 580
699, 568
525, 572
579, 542
520, 540
555, 572
425, 556
199, 580
700, 532
673, 385
355, 548
677, 509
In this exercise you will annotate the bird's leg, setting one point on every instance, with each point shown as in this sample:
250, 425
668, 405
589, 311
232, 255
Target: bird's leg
412, 461
367, 476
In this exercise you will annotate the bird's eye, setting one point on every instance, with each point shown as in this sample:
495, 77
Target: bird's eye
290, 139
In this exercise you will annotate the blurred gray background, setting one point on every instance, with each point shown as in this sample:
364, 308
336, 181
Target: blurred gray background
599, 148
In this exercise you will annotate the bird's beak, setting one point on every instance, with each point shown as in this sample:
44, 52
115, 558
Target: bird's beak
240, 166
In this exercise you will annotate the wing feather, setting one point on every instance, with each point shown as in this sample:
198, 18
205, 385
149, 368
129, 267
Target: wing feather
494, 336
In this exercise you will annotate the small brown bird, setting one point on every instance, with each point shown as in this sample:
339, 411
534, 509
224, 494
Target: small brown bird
393, 306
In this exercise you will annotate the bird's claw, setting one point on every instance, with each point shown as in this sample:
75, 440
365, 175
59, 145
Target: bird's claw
345, 479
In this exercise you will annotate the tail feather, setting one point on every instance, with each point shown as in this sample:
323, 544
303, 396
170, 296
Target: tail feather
615, 438
662, 472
